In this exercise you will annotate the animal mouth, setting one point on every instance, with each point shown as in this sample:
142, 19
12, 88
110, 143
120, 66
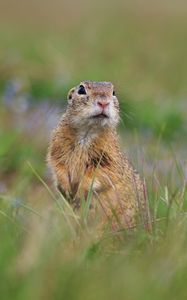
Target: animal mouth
100, 116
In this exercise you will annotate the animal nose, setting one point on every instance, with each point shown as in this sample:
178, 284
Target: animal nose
102, 104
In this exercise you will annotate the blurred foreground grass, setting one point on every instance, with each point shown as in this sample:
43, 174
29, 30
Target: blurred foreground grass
48, 252
141, 47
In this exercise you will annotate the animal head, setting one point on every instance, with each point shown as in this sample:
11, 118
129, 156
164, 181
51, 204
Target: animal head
93, 105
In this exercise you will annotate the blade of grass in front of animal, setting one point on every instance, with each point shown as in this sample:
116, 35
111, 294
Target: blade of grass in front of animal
71, 212
88, 201
61, 209
42, 181
90, 193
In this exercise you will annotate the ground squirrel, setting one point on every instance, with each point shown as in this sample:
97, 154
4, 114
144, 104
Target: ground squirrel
84, 152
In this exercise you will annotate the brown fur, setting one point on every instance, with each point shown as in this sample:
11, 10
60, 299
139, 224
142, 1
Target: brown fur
85, 151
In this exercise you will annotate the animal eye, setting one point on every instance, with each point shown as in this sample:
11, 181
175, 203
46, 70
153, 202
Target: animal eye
81, 90
114, 93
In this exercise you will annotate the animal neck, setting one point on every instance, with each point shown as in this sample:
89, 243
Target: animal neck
88, 139
91, 136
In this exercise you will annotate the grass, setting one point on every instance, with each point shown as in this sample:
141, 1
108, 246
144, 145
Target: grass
47, 254
46, 250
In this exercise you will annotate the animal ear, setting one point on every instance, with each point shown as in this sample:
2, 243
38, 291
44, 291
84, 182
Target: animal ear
70, 94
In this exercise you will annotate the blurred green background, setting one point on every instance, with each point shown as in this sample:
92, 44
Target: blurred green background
46, 47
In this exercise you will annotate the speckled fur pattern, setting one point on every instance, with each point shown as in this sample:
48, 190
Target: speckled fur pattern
84, 150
